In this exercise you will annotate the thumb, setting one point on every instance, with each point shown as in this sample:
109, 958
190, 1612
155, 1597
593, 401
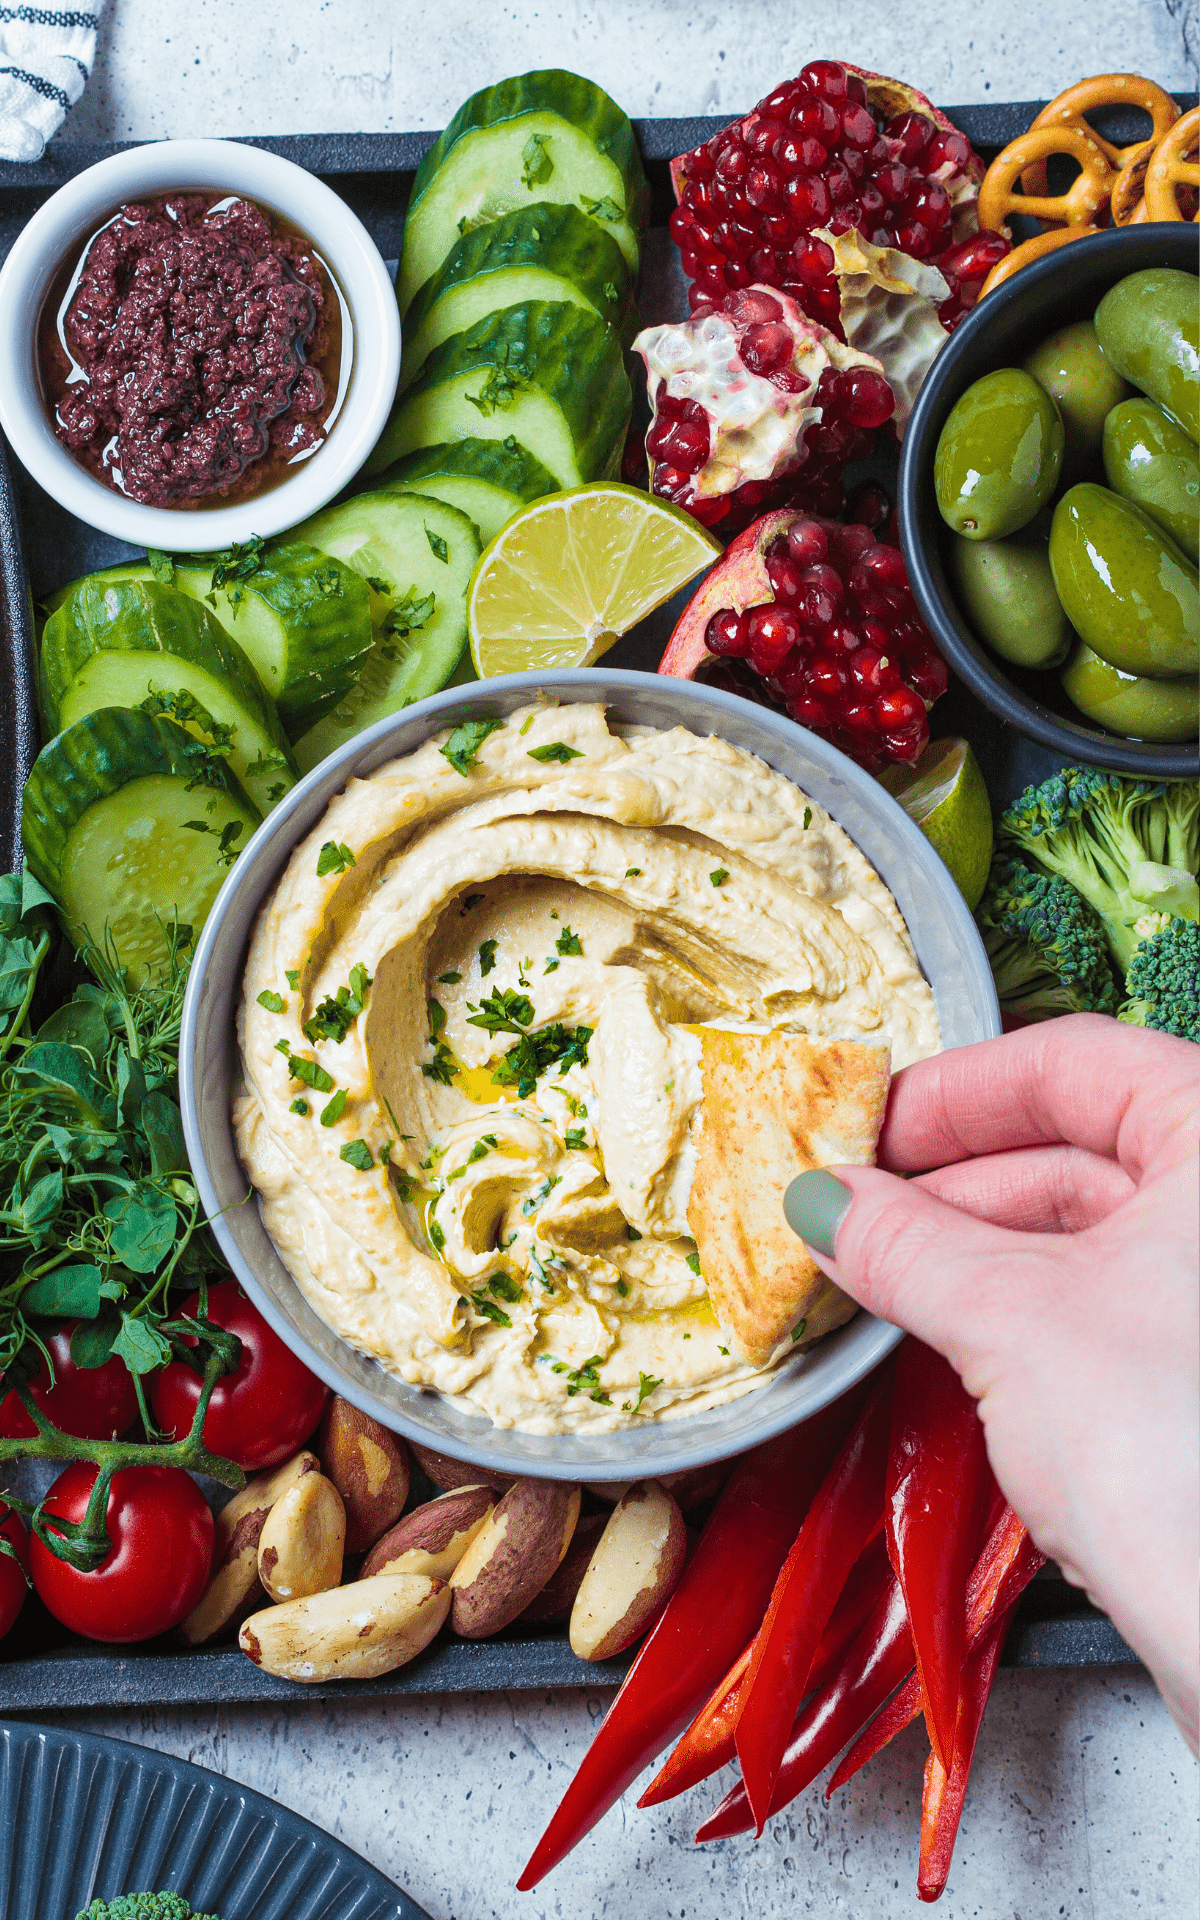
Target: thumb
961, 1284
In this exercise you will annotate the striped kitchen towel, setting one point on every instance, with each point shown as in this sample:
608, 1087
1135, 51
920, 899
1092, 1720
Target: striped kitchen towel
46, 55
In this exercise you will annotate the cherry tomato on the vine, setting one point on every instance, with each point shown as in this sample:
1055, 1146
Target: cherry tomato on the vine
258, 1415
95, 1403
12, 1575
162, 1534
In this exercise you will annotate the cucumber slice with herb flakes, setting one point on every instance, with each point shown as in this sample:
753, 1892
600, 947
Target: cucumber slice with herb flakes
547, 374
131, 825
489, 480
548, 136
543, 252
417, 555
134, 643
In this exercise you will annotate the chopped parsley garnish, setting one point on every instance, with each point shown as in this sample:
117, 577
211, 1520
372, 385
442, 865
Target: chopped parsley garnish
404, 617
798, 1331
300, 1105
646, 1386
610, 292
719, 876
437, 546
464, 743
724, 1350
161, 565
504, 1287
497, 392
449, 979
481, 1148
379, 585
437, 1238
442, 1067
538, 1197
272, 1001
575, 1140
556, 750
807, 818
568, 942
623, 1289
292, 976
333, 1111
406, 1186
512, 1012
546, 1268
335, 1016
356, 1153
437, 1020
604, 209
631, 1233
334, 857
487, 958
502, 1011
471, 900
632, 873
310, 1073
229, 835
693, 1261
536, 164
584, 1379
490, 1310
551, 966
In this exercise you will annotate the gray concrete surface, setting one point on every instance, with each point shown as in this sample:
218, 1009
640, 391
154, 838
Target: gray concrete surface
1083, 1802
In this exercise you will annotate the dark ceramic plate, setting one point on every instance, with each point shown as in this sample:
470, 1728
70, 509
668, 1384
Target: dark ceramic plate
82, 1817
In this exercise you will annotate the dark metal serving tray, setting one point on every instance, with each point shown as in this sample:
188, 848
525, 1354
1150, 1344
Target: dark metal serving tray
41, 547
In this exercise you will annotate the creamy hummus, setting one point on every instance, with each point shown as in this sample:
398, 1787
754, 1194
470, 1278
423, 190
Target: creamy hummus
468, 1100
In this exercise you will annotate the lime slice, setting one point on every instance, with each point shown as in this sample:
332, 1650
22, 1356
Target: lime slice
566, 578
944, 793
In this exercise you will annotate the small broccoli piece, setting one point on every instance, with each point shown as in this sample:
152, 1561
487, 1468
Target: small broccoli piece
143, 1906
1046, 944
1163, 981
1124, 844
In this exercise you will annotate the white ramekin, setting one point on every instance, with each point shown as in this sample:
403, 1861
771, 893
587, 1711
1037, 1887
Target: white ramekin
223, 166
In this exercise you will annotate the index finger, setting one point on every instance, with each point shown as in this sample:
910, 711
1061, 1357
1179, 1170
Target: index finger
1123, 1092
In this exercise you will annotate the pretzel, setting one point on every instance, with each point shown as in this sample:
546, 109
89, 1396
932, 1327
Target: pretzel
1128, 207
1082, 203
1103, 90
1174, 165
1030, 250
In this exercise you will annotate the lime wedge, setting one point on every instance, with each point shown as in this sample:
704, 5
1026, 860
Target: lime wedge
944, 793
568, 576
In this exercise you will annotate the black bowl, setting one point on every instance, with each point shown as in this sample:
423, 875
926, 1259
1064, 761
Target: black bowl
1066, 285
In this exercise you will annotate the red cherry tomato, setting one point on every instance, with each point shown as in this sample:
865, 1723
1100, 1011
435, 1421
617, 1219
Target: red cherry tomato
162, 1548
96, 1403
258, 1415
12, 1576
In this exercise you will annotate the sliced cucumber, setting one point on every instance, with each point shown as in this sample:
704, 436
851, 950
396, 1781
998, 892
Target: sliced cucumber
543, 252
302, 619
545, 373
131, 824
122, 643
411, 548
489, 480
548, 136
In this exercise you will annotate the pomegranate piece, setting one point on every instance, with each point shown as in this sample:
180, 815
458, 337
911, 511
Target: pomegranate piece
839, 149
816, 617
754, 404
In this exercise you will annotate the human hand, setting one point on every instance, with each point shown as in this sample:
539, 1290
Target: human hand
1048, 1248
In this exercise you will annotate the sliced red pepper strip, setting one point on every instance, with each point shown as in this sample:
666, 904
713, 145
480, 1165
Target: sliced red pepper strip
877, 1660
844, 1514
938, 1481
1002, 1572
708, 1744
709, 1618
943, 1796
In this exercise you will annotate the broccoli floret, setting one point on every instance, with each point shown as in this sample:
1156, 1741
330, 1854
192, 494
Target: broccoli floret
1163, 981
143, 1906
1124, 844
1046, 944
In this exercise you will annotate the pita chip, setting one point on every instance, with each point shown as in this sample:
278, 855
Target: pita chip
775, 1105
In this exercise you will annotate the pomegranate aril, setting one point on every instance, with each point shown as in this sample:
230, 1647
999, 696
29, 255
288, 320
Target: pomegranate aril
763, 135
782, 100
806, 198
854, 162
784, 576
910, 134
828, 78
858, 128
679, 225
816, 118
828, 677
733, 163
870, 507
726, 634
874, 672
842, 638
809, 711
812, 261
684, 445
878, 567
860, 720
738, 274
914, 239
929, 674
947, 148
755, 307
898, 709
773, 633
973, 259
807, 543
763, 184
779, 229
839, 186
766, 346
800, 152
907, 743
856, 88
870, 208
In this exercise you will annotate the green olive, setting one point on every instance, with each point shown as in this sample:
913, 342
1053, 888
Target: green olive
1150, 460
1128, 704
1006, 590
1149, 330
999, 455
1124, 586
1072, 368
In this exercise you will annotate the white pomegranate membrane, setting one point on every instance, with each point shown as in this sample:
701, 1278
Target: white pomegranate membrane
841, 646
828, 150
753, 401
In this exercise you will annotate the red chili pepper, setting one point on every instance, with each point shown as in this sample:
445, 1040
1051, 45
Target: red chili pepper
844, 1514
888, 1722
711, 1615
943, 1796
875, 1663
937, 1484
708, 1745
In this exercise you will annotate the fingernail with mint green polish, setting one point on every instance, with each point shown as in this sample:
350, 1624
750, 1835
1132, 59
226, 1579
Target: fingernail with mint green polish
814, 1206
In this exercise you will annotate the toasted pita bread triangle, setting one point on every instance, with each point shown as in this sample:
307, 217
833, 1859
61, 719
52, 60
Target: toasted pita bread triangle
775, 1105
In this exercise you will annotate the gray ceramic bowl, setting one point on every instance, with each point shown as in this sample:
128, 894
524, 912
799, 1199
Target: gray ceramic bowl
947, 944
1066, 285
